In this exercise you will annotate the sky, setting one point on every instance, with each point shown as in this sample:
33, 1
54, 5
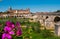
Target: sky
34, 5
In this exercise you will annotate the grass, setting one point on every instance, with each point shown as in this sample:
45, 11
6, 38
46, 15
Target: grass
29, 33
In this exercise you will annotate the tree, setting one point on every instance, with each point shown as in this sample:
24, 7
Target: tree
58, 11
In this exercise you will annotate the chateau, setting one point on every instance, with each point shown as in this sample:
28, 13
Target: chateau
27, 11
16, 13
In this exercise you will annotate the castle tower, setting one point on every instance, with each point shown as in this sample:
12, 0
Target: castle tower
9, 9
28, 10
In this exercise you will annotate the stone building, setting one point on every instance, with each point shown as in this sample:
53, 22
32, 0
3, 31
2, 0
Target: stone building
46, 19
16, 13
21, 11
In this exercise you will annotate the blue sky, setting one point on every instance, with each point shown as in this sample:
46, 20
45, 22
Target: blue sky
34, 5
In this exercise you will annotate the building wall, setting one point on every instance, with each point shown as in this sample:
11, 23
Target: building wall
26, 11
48, 23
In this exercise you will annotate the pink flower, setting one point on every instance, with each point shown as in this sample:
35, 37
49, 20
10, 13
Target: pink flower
13, 26
17, 24
8, 23
11, 32
7, 29
3, 35
19, 33
6, 35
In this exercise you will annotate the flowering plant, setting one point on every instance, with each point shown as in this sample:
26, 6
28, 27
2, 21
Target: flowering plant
11, 29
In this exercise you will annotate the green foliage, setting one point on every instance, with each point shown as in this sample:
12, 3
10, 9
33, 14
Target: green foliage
36, 27
35, 31
15, 37
58, 11
46, 33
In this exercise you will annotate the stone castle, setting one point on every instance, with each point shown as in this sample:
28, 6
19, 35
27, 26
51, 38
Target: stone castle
27, 11
15, 13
